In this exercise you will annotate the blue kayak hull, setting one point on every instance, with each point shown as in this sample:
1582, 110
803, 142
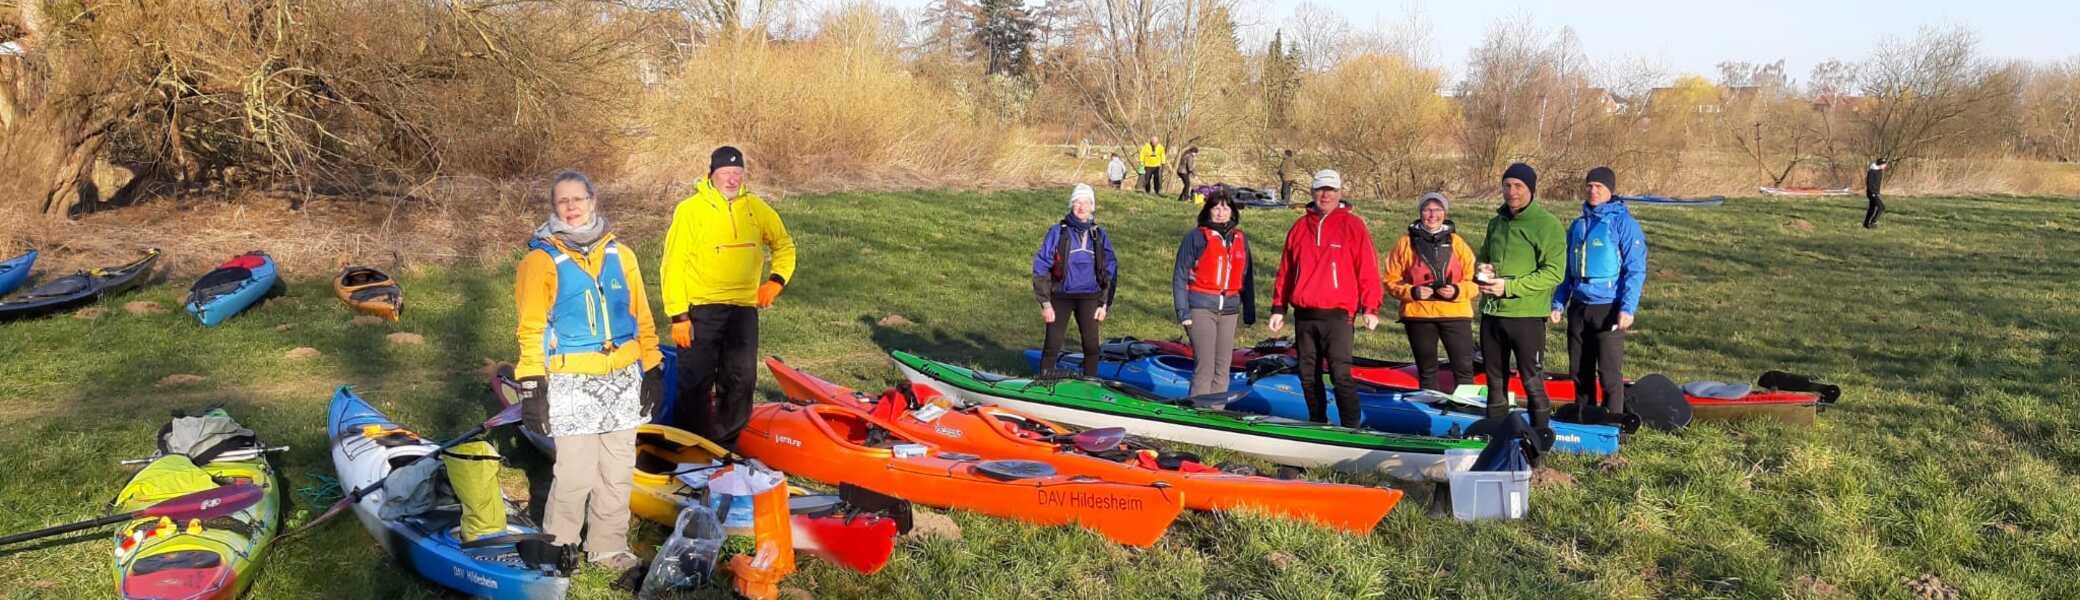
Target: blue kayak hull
216, 310
15, 271
1281, 396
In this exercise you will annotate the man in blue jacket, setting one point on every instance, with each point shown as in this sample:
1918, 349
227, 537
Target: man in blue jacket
1606, 267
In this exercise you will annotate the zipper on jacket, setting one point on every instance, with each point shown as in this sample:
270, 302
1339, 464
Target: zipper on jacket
1333, 281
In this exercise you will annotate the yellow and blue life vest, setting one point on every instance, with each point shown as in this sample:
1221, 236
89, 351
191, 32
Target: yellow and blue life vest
591, 322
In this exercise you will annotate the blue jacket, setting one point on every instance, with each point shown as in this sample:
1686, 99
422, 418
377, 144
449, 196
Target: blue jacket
1606, 259
1088, 268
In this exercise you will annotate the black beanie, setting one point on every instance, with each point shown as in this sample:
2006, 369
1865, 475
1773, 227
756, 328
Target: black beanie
726, 156
1523, 172
1604, 176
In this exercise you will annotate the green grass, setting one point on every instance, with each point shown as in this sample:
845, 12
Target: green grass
1953, 454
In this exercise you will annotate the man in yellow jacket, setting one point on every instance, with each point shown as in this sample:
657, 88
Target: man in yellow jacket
715, 278
1152, 159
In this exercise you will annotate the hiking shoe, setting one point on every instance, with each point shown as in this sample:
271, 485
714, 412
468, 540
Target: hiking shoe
618, 561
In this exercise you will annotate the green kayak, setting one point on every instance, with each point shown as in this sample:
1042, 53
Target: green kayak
1092, 403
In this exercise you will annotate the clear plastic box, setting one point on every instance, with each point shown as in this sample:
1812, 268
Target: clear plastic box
1478, 495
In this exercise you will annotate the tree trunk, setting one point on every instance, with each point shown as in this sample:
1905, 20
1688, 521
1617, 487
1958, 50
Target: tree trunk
47, 158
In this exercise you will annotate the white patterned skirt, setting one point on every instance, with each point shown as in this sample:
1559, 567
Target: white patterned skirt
595, 404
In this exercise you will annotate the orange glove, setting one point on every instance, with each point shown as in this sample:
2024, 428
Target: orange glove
682, 331
767, 292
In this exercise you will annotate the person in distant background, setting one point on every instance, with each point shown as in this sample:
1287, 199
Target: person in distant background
1152, 158
1187, 166
1285, 186
1116, 171
1873, 178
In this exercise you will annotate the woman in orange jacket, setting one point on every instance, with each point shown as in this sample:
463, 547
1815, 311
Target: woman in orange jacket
1431, 272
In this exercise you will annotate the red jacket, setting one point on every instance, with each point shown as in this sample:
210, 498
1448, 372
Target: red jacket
1328, 263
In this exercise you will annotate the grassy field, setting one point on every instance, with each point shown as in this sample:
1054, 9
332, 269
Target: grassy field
1948, 467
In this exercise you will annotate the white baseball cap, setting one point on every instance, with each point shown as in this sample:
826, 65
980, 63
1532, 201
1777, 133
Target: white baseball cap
1327, 178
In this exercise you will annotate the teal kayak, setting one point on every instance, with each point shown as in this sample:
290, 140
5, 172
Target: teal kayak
1094, 403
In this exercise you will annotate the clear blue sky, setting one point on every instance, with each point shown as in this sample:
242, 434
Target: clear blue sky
1693, 37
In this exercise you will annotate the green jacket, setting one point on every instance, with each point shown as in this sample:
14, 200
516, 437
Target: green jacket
1528, 249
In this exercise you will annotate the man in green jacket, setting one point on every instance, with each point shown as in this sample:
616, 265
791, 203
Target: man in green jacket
1522, 261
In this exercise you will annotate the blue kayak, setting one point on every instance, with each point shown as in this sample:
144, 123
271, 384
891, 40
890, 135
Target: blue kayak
1279, 395
15, 271
231, 287
366, 446
1671, 201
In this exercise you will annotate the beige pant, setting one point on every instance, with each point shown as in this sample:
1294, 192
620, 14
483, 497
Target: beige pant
1213, 344
594, 476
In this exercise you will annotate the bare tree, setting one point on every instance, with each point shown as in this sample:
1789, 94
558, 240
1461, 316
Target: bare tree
2052, 121
1167, 68
1924, 93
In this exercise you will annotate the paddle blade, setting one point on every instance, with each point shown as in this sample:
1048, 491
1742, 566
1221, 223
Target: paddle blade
221, 501
861, 544
1099, 440
509, 416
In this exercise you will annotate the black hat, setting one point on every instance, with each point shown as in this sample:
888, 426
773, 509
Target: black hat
726, 156
1523, 172
1605, 176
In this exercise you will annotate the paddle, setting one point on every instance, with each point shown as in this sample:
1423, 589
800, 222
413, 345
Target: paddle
204, 505
510, 415
1093, 440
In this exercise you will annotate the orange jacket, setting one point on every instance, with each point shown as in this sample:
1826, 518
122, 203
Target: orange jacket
1398, 285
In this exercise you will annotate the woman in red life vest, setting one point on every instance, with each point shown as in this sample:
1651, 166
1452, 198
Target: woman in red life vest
1212, 287
1431, 272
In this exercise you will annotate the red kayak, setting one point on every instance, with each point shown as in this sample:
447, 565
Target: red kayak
1708, 400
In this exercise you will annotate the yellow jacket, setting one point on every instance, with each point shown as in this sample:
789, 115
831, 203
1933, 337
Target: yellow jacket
534, 290
1153, 155
715, 251
1398, 277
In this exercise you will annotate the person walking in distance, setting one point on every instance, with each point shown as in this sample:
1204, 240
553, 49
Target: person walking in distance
1873, 179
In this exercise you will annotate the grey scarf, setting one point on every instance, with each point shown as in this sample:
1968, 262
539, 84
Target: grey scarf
580, 237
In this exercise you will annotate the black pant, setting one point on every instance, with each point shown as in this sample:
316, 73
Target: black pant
1457, 335
1085, 312
1152, 180
1526, 338
1871, 214
1186, 180
1319, 334
1596, 351
723, 363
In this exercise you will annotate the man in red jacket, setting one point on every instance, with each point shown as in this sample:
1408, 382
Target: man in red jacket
1329, 274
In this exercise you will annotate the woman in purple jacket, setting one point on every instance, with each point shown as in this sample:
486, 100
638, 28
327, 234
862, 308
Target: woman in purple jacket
1075, 274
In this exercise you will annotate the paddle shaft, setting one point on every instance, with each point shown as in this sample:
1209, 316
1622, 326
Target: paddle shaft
205, 504
68, 528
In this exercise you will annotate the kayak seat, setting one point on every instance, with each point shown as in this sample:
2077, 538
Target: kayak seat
1213, 401
1714, 389
1013, 470
385, 294
220, 282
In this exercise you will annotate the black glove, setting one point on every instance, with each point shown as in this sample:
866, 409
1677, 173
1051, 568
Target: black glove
534, 404
653, 390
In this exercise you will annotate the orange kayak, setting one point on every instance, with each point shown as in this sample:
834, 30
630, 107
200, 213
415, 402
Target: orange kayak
997, 432
839, 445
